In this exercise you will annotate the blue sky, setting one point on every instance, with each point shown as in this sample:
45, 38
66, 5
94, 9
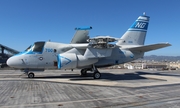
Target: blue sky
22, 22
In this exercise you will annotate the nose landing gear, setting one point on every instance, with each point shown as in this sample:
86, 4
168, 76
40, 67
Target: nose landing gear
31, 75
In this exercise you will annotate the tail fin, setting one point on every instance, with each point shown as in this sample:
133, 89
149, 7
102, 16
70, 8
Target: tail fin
136, 34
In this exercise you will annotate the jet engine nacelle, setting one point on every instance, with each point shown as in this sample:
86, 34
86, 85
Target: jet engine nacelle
71, 61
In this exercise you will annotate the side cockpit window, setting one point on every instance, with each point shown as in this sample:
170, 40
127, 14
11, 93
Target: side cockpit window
38, 46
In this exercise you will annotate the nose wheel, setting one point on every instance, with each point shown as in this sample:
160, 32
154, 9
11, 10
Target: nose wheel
31, 75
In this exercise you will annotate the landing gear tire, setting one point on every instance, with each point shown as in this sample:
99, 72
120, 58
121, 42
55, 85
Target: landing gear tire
83, 72
97, 75
31, 75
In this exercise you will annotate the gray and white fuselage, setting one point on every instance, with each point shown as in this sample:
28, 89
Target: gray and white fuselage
53, 55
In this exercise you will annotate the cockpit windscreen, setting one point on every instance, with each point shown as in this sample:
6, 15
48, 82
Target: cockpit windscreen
28, 48
37, 47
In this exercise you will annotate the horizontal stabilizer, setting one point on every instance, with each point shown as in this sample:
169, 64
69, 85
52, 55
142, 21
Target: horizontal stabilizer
151, 47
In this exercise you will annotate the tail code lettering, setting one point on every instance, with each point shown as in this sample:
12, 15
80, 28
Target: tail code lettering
140, 25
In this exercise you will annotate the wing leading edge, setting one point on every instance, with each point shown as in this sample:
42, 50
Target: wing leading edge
151, 47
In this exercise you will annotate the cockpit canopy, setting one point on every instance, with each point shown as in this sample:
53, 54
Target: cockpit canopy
37, 47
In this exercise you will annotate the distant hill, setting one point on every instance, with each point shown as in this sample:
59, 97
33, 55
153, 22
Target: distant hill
162, 58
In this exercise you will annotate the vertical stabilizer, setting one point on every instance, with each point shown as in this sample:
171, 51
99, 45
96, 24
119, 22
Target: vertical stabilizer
136, 34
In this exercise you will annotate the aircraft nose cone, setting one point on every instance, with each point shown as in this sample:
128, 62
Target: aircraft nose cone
14, 62
11, 62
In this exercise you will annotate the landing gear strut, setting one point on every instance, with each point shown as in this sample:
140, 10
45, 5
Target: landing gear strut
96, 73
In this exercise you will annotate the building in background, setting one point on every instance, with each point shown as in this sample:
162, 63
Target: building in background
5, 53
174, 65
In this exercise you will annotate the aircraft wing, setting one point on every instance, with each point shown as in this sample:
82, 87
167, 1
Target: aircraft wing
81, 35
151, 47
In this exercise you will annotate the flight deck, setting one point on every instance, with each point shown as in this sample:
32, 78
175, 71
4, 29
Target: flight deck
117, 88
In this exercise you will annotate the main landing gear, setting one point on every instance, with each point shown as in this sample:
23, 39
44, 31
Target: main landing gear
96, 73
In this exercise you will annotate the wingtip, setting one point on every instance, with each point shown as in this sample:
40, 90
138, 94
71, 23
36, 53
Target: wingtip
168, 44
84, 28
